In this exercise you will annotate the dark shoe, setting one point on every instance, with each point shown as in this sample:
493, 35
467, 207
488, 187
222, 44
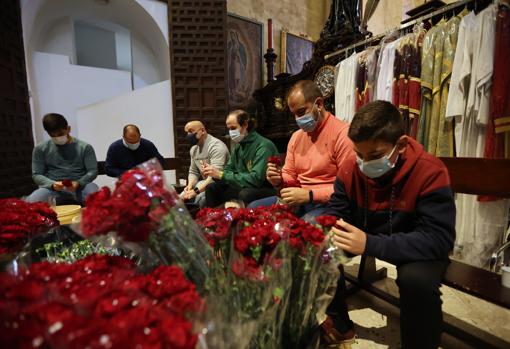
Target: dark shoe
331, 338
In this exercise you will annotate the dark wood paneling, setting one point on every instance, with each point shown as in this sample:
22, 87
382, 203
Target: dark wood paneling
197, 51
479, 176
16, 140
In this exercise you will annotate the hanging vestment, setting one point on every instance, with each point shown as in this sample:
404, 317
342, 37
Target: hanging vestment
480, 226
433, 120
366, 76
361, 82
427, 79
384, 86
445, 143
498, 130
414, 83
345, 88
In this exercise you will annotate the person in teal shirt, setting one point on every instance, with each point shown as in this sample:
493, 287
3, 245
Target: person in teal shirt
63, 167
244, 175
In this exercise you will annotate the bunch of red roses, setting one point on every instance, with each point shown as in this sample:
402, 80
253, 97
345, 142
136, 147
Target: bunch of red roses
314, 271
216, 223
249, 279
20, 221
143, 210
134, 209
97, 302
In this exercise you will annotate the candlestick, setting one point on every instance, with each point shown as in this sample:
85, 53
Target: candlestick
270, 57
269, 33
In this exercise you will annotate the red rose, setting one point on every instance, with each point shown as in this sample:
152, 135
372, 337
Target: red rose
291, 184
326, 221
67, 183
276, 160
20, 221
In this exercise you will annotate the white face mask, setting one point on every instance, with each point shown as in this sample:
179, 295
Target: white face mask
235, 135
378, 167
131, 146
60, 140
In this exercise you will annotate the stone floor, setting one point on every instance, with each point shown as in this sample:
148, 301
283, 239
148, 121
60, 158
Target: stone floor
377, 322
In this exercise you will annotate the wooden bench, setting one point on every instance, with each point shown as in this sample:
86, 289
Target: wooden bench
468, 176
169, 164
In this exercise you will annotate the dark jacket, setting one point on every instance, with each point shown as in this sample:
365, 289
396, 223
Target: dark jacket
120, 159
408, 215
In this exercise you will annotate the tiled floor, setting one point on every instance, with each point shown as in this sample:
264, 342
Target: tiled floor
377, 322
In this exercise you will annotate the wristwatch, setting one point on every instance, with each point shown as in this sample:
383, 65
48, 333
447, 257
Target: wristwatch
196, 190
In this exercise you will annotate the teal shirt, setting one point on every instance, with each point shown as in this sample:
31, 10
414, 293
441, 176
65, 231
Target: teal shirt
248, 163
75, 161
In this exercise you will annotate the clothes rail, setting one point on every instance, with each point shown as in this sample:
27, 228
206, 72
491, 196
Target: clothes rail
440, 11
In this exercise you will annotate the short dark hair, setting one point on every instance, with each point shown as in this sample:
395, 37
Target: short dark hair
128, 126
242, 117
54, 122
378, 120
308, 88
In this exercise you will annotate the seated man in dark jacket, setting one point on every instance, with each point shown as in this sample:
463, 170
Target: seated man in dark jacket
129, 152
394, 202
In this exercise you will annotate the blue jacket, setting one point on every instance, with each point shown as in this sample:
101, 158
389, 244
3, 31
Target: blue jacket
120, 159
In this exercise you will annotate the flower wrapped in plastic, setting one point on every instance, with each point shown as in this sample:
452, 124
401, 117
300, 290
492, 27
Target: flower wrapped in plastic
20, 221
144, 211
216, 225
314, 278
97, 302
250, 297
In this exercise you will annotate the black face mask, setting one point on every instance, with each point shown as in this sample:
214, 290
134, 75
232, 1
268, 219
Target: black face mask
192, 138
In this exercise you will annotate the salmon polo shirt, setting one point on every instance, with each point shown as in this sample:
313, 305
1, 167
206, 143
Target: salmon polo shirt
314, 158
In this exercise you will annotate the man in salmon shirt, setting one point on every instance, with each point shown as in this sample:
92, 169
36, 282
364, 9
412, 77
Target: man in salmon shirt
315, 154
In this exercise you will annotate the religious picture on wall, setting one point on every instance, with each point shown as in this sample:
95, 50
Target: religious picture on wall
244, 52
298, 50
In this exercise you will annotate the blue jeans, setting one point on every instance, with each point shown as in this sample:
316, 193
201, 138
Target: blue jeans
311, 210
43, 194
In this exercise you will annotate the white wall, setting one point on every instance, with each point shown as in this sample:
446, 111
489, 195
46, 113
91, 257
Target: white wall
149, 108
64, 88
59, 39
159, 12
95, 46
146, 19
123, 48
145, 65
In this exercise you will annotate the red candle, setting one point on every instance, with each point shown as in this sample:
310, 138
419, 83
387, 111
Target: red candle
269, 33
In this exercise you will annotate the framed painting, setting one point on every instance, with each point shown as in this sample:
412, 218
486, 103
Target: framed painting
295, 50
244, 58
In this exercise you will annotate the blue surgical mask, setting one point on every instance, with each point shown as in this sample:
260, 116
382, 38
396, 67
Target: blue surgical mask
378, 167
192, 138
307, 122
235, 135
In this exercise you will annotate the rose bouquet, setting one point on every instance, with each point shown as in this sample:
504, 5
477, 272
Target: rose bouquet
20, 221
314, 273
97, 302
248, 293
216, 225
143, 211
